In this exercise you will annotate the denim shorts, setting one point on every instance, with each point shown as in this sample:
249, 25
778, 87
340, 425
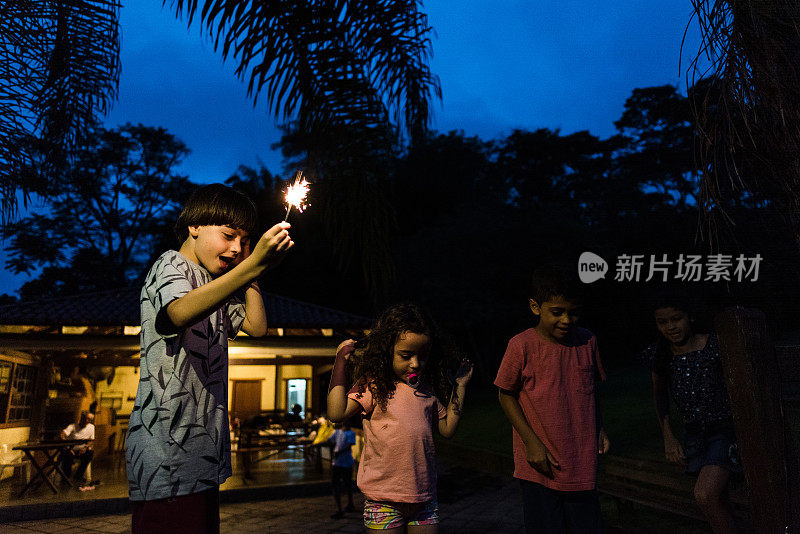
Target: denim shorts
717, 447
385, 515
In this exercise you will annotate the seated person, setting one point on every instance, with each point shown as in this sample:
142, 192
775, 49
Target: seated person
83, 453
294, 415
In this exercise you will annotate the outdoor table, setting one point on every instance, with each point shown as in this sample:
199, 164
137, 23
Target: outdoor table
51, 451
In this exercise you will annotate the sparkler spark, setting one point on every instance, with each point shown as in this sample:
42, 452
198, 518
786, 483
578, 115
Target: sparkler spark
296, 194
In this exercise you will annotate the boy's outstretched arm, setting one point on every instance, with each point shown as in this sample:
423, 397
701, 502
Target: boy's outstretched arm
448, 425
201, 301
537, 454
340, 406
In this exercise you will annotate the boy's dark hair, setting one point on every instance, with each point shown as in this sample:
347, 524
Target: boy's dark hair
555, 280
216, 204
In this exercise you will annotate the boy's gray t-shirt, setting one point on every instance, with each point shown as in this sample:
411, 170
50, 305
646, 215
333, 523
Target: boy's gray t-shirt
178, 437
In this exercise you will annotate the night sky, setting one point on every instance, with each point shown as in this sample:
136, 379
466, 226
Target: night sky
503, 64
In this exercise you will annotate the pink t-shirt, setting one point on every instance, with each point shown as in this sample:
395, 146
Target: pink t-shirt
556, 392
398, 463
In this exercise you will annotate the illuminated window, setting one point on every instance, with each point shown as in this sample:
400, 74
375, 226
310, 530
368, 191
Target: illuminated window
17, 385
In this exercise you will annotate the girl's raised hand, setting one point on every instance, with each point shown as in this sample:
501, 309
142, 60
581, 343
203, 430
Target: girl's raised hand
464, 372
346, 348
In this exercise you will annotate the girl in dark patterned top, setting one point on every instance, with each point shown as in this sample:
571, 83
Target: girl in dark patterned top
686, 366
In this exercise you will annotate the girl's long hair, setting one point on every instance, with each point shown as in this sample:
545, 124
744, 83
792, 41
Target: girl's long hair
681, 301
374, 354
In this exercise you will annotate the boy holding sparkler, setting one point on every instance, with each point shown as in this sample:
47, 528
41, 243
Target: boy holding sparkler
193, 300
547, 390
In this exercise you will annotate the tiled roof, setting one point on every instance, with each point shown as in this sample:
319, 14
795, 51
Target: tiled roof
121, 308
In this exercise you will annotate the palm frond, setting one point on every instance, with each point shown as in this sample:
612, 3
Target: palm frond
59, 69
748, 108
293, 50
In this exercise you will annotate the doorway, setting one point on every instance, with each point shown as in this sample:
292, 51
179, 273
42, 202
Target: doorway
296, 394
246, 398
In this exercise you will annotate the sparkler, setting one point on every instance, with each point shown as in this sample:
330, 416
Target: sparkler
296, 194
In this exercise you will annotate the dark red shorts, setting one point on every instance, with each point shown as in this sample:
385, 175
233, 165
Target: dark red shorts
196, 513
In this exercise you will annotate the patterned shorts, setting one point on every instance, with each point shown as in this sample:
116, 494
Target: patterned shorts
386, 515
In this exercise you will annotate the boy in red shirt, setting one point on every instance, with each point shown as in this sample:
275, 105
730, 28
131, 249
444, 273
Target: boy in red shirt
547, 390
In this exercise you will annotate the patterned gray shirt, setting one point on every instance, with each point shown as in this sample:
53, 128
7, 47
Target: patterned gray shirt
178, 438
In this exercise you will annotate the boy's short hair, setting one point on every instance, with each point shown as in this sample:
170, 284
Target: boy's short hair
555, 280
217, 204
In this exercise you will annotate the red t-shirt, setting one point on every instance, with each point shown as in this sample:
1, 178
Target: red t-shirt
556, 384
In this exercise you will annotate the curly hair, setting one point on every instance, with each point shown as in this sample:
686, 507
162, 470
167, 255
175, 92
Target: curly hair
374, 354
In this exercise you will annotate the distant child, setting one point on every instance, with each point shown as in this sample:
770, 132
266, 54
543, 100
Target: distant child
547, 390
401, 371
342, 462
178, 447
686, 365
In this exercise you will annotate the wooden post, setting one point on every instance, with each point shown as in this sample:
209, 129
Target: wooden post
754, 385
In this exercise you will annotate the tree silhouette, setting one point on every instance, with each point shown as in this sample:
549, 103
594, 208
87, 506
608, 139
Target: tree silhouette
657, 129
350, 77
98, 228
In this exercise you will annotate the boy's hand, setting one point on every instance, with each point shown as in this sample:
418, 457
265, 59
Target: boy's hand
673, 449
273, 245
540, 458
603, 443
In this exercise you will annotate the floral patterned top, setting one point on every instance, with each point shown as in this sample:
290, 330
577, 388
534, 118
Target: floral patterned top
178, 437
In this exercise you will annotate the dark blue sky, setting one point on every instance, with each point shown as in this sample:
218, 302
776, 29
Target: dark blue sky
503, 64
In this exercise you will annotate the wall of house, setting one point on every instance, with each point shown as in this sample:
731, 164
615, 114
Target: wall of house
126, 380
265, 373
123, 387
8, 438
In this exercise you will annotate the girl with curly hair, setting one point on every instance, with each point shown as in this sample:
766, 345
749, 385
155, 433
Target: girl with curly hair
401, 369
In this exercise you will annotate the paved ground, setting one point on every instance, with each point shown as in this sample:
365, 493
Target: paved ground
469, 503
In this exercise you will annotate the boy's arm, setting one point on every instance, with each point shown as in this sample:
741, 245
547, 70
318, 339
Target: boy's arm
537, 454
201, 301
448, 425
603, 443
255, 318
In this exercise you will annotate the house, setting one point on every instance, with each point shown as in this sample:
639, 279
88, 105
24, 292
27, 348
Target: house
59, 355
